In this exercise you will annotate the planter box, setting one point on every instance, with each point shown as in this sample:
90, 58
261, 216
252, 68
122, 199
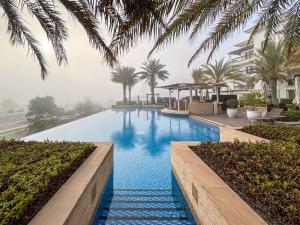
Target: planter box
76, 201
211, 199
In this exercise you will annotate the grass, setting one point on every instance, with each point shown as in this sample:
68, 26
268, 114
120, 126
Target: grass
265, 175
275, 132
31, 172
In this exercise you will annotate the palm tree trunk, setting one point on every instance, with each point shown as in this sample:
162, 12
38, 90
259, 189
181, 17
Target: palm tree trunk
274, 91
264, 90
152, 95
129, 94
124, 93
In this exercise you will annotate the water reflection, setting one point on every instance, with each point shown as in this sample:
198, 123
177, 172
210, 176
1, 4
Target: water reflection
126, 137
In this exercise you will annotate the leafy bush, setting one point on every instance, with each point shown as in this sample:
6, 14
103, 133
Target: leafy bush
31, 172
232, 103
292, 106
291, 115
253, 99
275, 132
266, 175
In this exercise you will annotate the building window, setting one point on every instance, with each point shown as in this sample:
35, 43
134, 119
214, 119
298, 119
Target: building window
248, 55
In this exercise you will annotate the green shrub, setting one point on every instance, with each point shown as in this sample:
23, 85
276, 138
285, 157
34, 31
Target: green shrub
291, 115
253, 99
292, 106
232, 103
266, 175
31, 172
275, 132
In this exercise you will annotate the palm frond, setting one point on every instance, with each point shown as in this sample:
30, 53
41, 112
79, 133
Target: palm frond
20, 34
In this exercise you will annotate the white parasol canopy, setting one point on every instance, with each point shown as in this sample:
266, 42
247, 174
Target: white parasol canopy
296, 101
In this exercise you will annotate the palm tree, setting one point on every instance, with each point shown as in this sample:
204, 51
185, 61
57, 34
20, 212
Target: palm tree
221, 72
270, 66
48, 15
133, 80
124, 75
225, 17
198, 76
152, 70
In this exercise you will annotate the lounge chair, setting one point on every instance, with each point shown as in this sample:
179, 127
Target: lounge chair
271, 116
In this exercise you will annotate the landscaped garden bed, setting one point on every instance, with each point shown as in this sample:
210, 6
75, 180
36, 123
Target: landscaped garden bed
31, 172
275, 132
266, 175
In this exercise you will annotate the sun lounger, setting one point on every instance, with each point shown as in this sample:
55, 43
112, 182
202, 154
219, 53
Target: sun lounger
271, 116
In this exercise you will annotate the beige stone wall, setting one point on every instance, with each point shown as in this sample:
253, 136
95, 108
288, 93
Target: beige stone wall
212, 201
75, 202
201, 108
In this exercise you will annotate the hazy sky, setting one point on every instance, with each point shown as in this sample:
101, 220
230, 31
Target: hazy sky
85, 76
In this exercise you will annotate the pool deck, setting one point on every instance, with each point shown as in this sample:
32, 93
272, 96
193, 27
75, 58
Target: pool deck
223, 120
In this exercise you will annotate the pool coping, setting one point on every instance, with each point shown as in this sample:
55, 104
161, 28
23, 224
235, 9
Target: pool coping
211, 200
76, 201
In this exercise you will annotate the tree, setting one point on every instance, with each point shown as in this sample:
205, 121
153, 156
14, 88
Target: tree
126, 76
133, 80
224, 18
198, 76
41, 107
221, 72
153, 70
86, 108
270, 66
50, 19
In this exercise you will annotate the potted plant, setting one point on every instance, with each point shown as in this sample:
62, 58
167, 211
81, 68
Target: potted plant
232, 108
252, 101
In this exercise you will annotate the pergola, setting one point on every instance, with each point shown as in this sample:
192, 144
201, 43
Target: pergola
191, 86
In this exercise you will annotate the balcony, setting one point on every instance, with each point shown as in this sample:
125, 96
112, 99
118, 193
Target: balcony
243, 58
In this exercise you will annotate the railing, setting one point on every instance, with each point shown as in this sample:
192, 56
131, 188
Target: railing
243, 58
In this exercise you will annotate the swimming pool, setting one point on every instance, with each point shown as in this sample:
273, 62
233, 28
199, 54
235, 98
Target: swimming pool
142, 188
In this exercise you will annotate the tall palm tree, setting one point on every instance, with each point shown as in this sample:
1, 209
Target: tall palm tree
226, 17
132, 80
270, 66
153, 70
123, 75
221, 72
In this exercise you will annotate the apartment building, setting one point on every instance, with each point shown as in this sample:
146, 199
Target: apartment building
242, 58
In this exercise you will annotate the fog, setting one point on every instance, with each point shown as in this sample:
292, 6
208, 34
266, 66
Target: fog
86, 76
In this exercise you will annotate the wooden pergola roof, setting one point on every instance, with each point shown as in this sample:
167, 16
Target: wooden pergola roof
187, 86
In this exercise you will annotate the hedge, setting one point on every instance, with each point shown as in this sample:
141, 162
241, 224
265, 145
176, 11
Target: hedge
31, 172
266, 175
291, 115
275, 132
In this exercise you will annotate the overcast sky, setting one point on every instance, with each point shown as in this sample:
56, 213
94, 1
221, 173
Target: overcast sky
85, 76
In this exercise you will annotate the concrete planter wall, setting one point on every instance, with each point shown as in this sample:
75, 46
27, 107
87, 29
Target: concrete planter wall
75, 202
211, 199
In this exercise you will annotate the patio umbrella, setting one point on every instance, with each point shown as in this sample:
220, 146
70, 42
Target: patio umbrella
296, 101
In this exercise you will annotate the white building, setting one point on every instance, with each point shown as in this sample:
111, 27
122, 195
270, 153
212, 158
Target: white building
242, 59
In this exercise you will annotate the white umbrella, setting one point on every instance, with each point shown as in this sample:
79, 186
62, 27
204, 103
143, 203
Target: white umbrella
296, 101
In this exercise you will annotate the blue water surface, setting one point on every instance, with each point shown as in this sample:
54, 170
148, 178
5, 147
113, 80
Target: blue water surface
142, 145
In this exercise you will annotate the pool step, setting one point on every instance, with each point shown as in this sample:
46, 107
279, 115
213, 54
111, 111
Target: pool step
140, 206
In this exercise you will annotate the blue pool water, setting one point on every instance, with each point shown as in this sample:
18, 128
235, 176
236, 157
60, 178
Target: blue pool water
142, 188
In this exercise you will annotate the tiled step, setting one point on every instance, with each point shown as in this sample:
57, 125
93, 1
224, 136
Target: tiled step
142, 222
141, 213
140, 206
174, 205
